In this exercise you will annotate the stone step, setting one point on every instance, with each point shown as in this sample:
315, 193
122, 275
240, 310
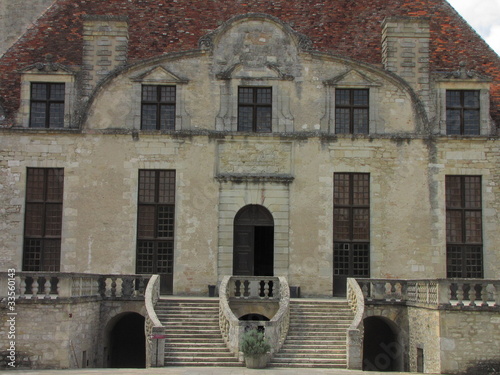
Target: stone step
200, 359
202, 364
198, 353
187, 331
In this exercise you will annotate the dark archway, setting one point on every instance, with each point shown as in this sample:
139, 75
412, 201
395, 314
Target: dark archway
382, 349
255, 317
253, 251
128, 342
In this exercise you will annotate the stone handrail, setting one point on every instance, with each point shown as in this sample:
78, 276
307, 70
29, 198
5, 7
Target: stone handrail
228, 323
356, 301
439, 293
55, 285
276, 329
254, 288
155, 332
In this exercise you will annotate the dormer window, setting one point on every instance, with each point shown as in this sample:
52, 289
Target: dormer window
255, 109
47, 105
462, 112
158, 107
351, 111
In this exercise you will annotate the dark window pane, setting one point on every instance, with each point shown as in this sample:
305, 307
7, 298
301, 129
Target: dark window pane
149, 93
342, 120
149, 116
471, 122
263, 119
454, 232
245, 119
341, 224
166, 187
360, 121
245, 95
146, 221
453, 121
453, 99
471, 99
167, 94
264, 96
167, 117
34, 220
57, 91
39, 91
56, 115
38, 115
147, 186
342, 97
165, 221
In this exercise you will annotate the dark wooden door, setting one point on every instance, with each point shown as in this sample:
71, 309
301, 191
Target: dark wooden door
243, 258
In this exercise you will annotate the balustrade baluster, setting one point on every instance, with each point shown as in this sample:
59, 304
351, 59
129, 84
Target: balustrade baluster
472, 295
246, 289
266, 288
113, 286
496, 294
460, 294
237, 288
47, 287
484, 294
34, 287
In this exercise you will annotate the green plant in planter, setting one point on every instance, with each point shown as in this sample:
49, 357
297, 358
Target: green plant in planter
255, 347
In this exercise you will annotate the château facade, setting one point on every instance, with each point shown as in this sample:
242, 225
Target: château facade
314, 141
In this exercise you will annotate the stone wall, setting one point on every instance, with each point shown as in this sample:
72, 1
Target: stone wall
469, 338
424, 326
52, 334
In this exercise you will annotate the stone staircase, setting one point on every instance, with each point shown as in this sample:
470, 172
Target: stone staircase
317, 335
193, 333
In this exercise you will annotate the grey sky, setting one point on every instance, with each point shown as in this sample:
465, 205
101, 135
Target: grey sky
483, 16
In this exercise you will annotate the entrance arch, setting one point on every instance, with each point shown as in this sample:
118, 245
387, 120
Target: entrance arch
253, 249
128, 342
382, 346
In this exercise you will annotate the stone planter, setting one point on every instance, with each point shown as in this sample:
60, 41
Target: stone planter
257, 362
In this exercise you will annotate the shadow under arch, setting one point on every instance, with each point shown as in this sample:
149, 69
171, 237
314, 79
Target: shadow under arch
126, 341
383, 346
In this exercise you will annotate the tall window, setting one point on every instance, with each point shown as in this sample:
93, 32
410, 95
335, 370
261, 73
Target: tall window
255, 109
351, 111
351, 224
43, 219
462, 112
464, 244
47, 105
158, 107
156, 224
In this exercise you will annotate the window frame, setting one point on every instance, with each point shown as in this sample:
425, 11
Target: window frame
158, 104
463, 108
255, 106
48, 102
351, 206
54, 261
467, 250
156, 205
351, 107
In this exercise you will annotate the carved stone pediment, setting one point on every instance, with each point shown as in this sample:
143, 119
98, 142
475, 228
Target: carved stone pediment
462, 74
351, 78
159, 75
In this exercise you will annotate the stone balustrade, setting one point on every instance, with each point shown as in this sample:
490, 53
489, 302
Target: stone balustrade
56, 285
439, 293
155, 331
354, 343
254, 289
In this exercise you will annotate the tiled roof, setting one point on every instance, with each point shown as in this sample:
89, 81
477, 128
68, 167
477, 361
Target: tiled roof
346, 27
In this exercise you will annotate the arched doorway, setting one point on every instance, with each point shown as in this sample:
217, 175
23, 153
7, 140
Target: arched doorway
128, 342
253, 250
382, 347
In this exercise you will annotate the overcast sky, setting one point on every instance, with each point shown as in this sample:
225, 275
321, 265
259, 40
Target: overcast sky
484, 16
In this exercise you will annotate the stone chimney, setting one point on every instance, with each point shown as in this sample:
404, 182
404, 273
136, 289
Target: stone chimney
406, 50
105, 46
